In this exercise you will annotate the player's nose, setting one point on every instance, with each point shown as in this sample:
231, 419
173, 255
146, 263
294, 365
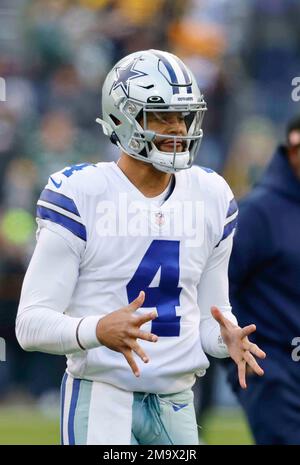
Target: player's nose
177, 127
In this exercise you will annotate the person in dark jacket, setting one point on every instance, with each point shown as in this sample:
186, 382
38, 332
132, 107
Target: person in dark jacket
264, 276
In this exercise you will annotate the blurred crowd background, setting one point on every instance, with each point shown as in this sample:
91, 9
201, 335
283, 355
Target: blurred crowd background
54, 56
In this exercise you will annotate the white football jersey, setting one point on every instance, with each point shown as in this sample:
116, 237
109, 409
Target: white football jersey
171, 249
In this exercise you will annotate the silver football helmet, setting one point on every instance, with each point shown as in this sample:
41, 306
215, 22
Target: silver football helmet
152, 81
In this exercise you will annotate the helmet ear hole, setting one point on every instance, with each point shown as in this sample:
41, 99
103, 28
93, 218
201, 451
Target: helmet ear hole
115, 120
113, 137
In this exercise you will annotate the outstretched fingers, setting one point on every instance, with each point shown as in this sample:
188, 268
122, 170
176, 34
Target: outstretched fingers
137, 302
242, 374
135, 333
140, 352
248, 330
141, 319
128, 354
145, 336
254, 349
131, 362
253, 363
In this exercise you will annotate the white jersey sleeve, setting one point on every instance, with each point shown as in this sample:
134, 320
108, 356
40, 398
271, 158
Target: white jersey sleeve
52, 276
59, 210
213, 287
47, 289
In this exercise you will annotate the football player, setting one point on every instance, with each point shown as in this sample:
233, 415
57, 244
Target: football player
129, 275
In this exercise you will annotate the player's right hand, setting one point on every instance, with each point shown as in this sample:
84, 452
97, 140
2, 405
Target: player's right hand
120, 330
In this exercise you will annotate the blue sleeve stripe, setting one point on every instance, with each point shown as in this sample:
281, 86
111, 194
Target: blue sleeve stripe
76, 228
233, 207
59, 200
228, 228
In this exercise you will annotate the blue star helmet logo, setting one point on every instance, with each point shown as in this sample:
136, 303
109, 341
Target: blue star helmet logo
125, 75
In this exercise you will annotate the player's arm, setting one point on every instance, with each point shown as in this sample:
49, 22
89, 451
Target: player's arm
219, 331
46, 293
213, 291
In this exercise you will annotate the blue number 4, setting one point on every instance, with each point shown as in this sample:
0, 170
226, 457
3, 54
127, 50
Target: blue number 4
69, 171
163, 255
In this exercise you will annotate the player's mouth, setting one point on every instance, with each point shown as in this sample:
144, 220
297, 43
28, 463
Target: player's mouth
167, 145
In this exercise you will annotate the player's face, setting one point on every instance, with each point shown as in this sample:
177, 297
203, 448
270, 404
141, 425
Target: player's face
171, 123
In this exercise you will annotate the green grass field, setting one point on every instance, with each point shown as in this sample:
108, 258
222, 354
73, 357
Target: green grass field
24, 425
27, 425
226, 426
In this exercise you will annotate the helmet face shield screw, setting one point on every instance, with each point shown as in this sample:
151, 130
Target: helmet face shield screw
131, 108
134, 144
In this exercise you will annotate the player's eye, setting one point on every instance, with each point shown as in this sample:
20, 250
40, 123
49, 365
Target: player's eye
170, 118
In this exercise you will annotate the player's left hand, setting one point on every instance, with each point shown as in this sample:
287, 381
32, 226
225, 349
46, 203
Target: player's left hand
240, 349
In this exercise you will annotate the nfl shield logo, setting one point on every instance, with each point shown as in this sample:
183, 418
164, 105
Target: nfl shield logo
159, 218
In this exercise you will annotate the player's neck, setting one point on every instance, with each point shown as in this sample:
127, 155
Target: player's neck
150, 181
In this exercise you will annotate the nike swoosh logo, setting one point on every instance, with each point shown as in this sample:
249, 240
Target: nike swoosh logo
57, 184
146, 87
177, 407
